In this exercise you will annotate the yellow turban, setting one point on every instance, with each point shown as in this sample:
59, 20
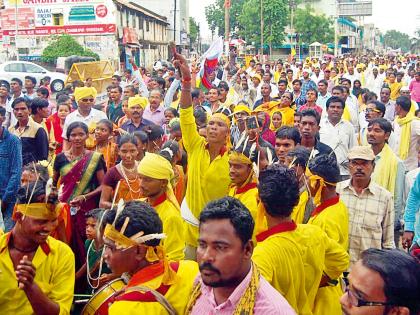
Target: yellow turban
42, 211
241, 108
82, 92
137, 100
156, 166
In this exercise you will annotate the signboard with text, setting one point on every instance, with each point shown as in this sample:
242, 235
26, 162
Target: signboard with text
69, 29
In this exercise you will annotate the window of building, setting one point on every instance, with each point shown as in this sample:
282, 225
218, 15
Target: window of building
127, 18
141, 22
147, 25
122, 18
58, 19
134, 20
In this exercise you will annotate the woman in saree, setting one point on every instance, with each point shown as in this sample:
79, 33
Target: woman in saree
122, 180
79, 173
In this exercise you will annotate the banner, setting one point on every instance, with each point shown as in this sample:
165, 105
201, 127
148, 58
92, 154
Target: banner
69, 29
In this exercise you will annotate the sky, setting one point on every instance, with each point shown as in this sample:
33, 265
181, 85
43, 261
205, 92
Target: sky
401, 15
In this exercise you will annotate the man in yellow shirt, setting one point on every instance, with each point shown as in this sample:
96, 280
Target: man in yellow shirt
332, 216
244, 182
296, 259
156, 173
36, 270
208, 168
155, 286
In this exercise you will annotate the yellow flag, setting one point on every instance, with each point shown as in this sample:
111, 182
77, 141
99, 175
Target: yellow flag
293, 52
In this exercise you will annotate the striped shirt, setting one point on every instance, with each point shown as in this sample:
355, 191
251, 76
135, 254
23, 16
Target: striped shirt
267, 302
371, 218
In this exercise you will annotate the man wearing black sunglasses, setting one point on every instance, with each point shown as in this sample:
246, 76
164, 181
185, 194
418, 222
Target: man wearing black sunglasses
383, 282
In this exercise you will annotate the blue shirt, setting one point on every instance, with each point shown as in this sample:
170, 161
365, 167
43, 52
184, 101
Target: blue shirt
306, 85
412, 209
10, 166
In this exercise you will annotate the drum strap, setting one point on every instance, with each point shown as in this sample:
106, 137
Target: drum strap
144, 294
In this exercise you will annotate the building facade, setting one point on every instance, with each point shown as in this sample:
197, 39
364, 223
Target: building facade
100, 25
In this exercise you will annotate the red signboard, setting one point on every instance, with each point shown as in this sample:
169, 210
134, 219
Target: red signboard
69, 29
25, 17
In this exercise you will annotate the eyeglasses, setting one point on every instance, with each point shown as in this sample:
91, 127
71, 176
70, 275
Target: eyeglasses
87, 100
358, 302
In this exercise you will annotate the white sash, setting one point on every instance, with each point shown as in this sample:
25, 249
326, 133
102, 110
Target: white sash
187, 215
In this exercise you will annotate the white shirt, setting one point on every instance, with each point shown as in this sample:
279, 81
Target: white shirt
9, 109
353, 107
411, 162
351, 77
318, 78
390, 111
341, 138
321, 101
93, 117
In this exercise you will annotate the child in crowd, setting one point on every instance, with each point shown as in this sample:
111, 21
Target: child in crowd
103, 144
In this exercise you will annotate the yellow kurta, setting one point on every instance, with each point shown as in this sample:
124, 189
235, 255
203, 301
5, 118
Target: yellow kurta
177, 295
54, 263
249, 197
321, 255
333, 218
207, 180
395, 90
173, 227
280, 258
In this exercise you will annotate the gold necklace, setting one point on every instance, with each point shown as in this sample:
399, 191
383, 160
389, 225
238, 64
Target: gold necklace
127, 180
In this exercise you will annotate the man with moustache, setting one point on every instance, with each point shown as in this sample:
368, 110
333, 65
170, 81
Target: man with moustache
229, 282
155, 111
371, 208
36, 270
136, 122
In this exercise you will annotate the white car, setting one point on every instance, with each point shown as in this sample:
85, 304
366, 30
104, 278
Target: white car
21, 69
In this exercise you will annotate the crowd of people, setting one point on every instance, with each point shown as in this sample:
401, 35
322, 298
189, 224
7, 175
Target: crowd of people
284, 188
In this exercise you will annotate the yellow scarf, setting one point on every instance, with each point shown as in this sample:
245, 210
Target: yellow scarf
246, 303
405, 124
346, 114
386, 170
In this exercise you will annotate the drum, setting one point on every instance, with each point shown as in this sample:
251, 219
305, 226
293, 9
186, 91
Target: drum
99, 303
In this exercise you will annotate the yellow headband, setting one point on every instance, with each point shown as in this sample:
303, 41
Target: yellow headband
153, 253
222, 117
313, 179
137, 100
42, 211
123, 242
237, 157
82, 92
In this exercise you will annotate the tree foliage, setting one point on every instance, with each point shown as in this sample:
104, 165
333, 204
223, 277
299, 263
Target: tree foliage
194, 30
313, 28
275, 13
215, 15
63, 46
396, 39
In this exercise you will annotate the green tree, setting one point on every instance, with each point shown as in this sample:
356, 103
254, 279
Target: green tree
396, 39
313, 28
194, 29
215, 15
63, 46
275, 13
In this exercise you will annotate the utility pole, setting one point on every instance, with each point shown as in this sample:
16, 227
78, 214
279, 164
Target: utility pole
262, 31
16, 30
227, 26
175, 22
336, 30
